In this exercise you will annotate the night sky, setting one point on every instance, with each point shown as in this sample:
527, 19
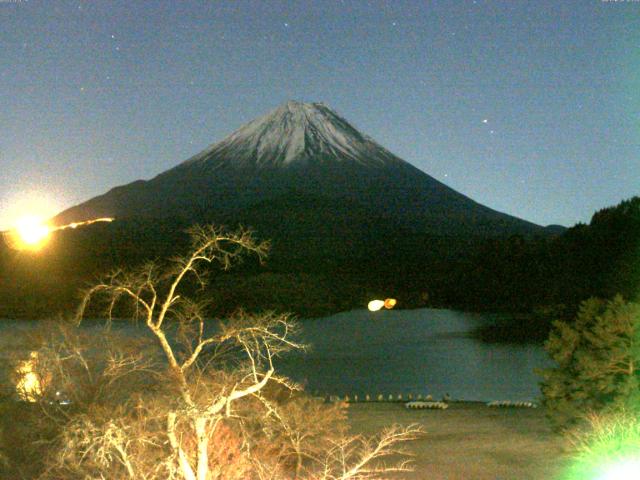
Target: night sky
531, 108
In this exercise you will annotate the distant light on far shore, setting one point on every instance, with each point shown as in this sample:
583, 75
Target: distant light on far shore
375, 305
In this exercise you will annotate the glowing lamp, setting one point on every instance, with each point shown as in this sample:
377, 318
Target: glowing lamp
389, 303
375, 305
32, 230
29, 233
29, 385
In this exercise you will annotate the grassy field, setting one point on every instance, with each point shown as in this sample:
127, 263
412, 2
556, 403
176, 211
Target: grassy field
470, 441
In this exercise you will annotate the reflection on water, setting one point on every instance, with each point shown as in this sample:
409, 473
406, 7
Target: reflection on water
424, 351
414, 352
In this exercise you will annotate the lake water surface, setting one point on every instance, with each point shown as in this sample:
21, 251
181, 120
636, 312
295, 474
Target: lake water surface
424, 351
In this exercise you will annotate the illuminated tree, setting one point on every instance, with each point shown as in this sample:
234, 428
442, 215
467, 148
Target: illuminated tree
206, 402
598, 360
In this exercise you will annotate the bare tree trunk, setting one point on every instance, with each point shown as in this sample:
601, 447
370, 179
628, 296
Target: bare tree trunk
183, 461
203, 447
298, 463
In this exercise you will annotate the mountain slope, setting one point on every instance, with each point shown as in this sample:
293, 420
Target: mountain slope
304, 148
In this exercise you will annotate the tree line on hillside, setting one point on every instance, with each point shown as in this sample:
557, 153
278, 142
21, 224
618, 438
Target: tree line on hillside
551, 277
313, 277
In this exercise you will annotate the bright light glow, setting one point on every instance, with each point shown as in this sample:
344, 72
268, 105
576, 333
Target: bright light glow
30, 232
375, 305
29, 385
609, 450
24, 215
389, 303
23, 218
628, 469
30, 203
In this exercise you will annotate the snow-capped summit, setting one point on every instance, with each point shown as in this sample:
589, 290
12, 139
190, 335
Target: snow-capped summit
299, 162
296, 133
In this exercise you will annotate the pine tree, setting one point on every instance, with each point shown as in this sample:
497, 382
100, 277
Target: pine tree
598, 358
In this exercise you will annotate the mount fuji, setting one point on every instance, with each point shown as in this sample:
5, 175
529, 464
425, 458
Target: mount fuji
303, 166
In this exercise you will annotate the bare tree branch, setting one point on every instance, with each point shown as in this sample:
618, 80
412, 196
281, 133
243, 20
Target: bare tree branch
218, 388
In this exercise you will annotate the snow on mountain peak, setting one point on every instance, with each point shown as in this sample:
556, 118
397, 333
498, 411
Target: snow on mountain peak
296, 133
295, 151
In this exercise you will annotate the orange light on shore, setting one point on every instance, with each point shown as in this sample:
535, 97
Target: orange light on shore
375, 305
389, 303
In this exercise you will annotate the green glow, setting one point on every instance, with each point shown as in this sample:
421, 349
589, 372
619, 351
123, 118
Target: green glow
623, 470
610, 450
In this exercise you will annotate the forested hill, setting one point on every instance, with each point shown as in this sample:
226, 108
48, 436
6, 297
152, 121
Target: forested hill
516, 273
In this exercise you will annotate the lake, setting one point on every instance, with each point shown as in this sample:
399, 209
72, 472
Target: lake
424, 351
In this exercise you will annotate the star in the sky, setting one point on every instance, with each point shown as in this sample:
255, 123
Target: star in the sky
485, 120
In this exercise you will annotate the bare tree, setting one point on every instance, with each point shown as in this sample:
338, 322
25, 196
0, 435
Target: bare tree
361, 458
213, 410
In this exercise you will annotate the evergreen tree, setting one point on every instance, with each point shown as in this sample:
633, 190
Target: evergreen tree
598, 359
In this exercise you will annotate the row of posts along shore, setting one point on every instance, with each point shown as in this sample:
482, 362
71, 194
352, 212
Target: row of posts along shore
378, 398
